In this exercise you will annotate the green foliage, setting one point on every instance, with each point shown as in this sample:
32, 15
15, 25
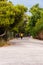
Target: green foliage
36, 14
36, 21
39, 25
11, 16
6, 13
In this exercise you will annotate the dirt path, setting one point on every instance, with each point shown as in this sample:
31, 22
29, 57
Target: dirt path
24, 52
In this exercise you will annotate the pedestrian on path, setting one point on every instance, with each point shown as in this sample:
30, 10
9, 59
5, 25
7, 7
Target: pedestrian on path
21, 35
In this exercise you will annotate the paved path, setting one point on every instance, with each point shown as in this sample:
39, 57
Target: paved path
27, 51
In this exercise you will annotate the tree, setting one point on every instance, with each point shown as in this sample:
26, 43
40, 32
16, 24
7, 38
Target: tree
10, 15
39, 28
34, 20
19, 15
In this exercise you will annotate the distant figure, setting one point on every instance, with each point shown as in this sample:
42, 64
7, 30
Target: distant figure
21, 35
17, 35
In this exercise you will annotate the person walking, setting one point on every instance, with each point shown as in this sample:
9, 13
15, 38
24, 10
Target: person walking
21, 35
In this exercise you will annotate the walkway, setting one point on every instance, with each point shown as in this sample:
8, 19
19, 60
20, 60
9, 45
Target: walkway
27, 51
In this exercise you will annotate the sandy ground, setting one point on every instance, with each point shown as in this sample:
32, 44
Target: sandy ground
27, 51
